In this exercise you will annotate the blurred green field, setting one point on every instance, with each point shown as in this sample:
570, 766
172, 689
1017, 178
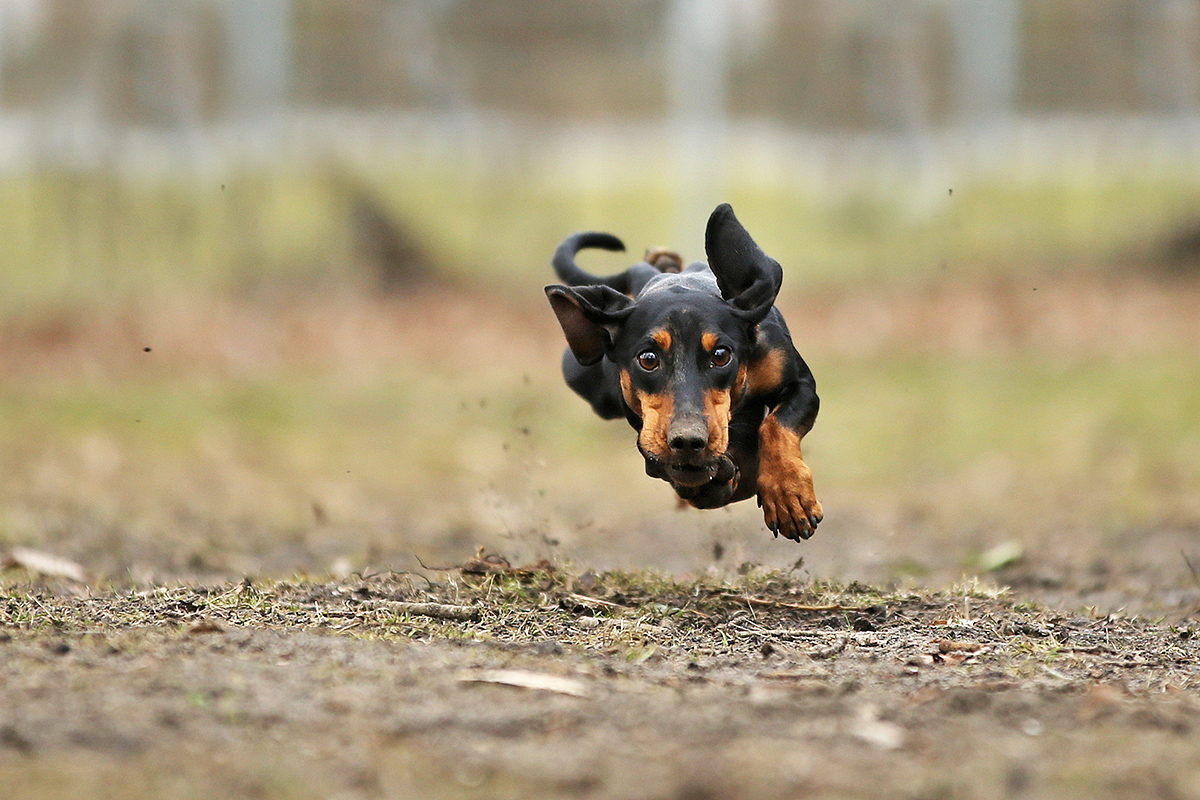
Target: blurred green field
71, 237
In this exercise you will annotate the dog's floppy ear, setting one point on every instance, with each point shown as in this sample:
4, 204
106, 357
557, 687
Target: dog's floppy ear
590, 316
749, 279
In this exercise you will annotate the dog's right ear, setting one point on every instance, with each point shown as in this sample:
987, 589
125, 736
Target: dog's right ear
590, 317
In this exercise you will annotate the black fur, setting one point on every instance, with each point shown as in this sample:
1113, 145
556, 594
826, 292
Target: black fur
616, 326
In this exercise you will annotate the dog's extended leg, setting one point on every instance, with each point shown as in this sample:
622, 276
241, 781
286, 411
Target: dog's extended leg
785, 485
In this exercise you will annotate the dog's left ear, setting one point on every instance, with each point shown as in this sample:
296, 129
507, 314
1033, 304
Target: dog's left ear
590, 317
749, 279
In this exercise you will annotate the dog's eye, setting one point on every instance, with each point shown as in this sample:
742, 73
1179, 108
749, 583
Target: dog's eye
721, 356
648, 360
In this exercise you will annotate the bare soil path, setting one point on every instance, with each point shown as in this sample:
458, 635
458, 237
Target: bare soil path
498, 682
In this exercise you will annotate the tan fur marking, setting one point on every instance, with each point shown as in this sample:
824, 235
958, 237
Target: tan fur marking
718, 405
631, 399
740, 383
657, 410
663, 337
766, 373
785, 486
708, 341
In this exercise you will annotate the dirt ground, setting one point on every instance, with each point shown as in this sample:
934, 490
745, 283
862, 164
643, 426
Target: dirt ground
189, 462
538, 683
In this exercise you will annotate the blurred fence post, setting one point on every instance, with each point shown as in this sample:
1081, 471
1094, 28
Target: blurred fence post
986, 59
698, 37
1167, 67
4, 34
259, 36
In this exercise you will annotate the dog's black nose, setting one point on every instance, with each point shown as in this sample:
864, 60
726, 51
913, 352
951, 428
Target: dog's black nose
687, 443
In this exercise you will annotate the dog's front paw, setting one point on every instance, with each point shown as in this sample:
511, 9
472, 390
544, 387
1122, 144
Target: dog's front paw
791, 511
785, 485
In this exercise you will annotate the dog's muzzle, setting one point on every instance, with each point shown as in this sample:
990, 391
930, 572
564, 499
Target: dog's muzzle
691, 474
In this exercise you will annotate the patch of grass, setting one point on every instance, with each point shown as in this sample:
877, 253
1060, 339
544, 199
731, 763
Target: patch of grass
634, 617
1117, 436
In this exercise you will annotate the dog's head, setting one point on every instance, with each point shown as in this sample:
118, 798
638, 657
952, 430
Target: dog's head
681, 347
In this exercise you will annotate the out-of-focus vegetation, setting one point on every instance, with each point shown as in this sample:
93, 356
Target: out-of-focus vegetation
84, 237
271, 437
330, 225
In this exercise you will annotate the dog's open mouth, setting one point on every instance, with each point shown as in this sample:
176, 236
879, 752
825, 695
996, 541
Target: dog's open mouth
691, 474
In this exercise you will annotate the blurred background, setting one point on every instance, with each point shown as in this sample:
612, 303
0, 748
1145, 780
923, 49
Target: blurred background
271, 270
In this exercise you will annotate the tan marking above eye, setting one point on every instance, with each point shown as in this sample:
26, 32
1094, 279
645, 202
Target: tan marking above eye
708, 341
662, 338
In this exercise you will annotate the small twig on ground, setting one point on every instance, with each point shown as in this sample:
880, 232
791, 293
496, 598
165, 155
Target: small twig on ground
783, 632
1053, 673
392, 573
44, 563
758, 601
584, 600
770, 648
1095, 649
528, 680
483, 563
450, 568
1192, 569
831, 651
435, 610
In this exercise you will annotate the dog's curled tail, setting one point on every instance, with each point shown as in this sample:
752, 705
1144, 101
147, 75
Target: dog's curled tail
570, 273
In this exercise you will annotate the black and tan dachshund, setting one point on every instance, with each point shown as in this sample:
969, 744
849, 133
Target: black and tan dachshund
701, 363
